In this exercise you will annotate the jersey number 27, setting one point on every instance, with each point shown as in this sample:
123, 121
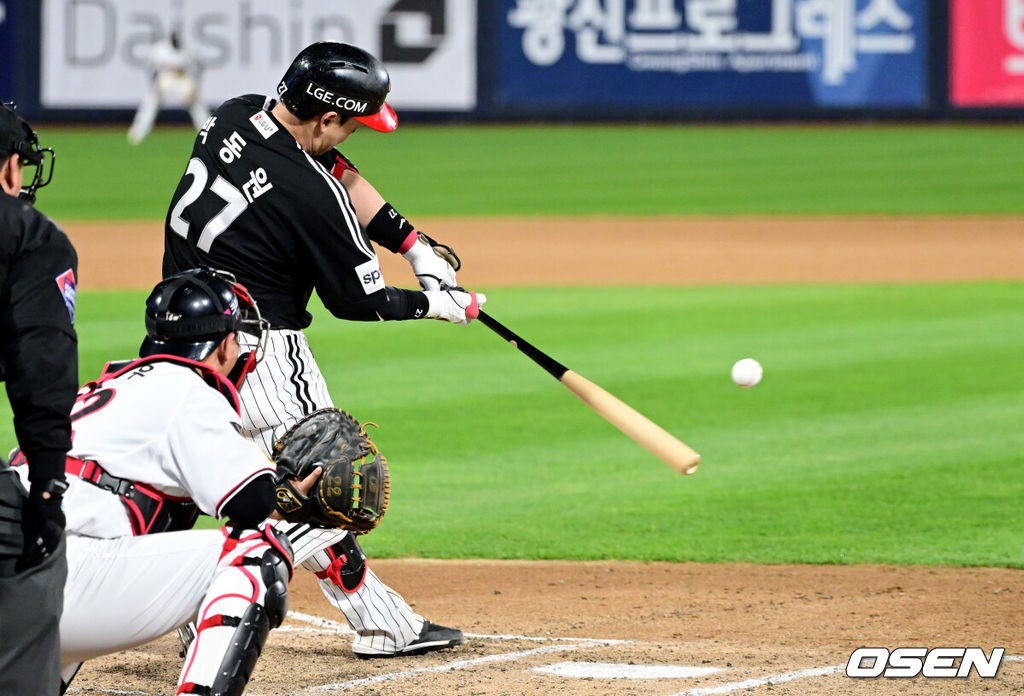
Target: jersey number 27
234, 204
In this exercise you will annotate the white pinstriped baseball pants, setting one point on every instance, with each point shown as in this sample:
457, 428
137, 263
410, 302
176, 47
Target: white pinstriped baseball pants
287, 385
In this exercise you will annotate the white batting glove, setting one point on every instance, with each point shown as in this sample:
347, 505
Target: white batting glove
456, 306
431, 269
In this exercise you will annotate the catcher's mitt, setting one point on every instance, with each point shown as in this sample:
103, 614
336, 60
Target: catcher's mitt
353, 490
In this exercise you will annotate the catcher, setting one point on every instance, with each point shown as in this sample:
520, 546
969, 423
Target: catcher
139, 474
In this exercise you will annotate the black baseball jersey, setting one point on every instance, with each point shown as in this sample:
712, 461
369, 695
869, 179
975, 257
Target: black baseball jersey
254, 203
38, 345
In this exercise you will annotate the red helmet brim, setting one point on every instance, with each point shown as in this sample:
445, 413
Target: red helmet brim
385, 120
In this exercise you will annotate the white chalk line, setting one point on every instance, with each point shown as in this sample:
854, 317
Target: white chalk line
329, 626
581, 643
542, 639
617, 670
783, 678
764, 681
703, 691
451, 666
335, 627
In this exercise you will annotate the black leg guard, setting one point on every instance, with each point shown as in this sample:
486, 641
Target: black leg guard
240, 659
274, 567
250, 602
348, 564
276, 571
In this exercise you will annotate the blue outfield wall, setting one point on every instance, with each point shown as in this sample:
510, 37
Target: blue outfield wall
527, 59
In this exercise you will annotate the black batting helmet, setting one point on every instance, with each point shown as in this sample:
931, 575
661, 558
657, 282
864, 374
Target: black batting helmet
18, 138
332, 76
188, 315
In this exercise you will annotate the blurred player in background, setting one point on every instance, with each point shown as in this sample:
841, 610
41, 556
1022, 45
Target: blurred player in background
39, 362
268, 197
173, 81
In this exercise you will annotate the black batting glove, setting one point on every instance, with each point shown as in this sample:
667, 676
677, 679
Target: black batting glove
42, 522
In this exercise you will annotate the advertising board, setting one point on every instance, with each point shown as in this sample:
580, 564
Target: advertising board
94, 51
6, 54
689, 54
986, 49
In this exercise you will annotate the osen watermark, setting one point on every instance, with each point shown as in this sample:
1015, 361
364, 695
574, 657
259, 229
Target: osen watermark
936, 663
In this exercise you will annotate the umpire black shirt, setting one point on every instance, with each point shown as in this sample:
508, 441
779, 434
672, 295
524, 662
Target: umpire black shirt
39, 357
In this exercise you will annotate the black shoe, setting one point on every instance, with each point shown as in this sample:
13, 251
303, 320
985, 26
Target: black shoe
432, 637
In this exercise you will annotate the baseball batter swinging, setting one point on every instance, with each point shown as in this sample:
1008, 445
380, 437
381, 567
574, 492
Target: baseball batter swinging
267, 196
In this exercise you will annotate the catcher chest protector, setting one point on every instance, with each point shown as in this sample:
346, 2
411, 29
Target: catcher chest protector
331, 76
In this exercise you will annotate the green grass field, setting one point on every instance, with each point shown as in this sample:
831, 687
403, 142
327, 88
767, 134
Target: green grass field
600, 170
886, 429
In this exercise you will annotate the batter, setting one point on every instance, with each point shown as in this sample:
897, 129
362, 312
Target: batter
261, 197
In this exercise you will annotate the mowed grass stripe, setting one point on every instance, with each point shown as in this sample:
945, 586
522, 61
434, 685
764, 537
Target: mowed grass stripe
854, 461
886, 429
599, 170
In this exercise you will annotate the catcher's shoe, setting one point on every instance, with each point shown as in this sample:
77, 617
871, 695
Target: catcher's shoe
186, 634
432, 637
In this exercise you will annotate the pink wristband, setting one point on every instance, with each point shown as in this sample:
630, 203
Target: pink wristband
473, 310
409, 241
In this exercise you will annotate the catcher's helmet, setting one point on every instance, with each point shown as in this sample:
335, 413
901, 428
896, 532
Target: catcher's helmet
188, 315
332, 76
18, 138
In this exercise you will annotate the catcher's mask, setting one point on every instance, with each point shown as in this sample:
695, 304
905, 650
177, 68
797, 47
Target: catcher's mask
331, 76
190, 313
18, 138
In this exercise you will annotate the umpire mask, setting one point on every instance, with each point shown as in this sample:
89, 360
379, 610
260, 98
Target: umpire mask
18, 138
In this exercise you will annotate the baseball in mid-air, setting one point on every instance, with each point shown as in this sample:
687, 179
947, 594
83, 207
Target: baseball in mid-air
747, 372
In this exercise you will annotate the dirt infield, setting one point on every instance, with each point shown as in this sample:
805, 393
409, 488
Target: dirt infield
734, 628
629, 251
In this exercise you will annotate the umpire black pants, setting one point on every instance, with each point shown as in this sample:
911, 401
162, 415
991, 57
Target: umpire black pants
30, 604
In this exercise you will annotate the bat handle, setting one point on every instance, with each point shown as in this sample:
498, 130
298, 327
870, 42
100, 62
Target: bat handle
496, 326
553, 367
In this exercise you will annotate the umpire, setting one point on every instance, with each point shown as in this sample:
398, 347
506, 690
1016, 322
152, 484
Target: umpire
39, 363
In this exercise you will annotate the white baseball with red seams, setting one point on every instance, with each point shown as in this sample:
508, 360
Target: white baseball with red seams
747, 372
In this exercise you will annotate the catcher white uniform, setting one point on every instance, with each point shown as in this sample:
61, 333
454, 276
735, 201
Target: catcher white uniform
168, 429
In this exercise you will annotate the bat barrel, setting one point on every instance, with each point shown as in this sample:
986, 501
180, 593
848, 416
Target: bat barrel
638, 427
634, 424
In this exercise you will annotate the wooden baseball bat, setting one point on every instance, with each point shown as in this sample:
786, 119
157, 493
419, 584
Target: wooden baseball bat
634, 424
